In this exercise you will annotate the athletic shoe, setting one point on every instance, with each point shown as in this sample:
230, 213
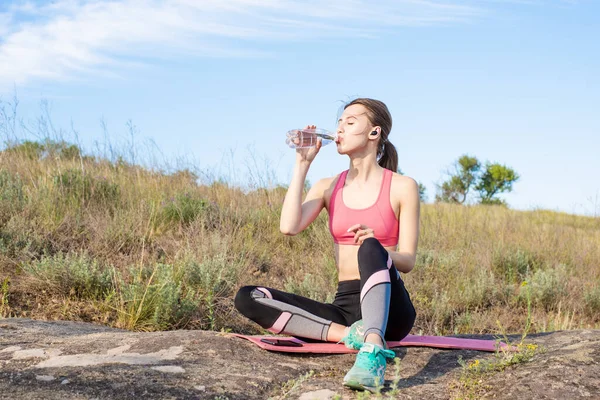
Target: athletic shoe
356, 336
369, 368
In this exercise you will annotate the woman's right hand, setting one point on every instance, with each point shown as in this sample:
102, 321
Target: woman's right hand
308, 154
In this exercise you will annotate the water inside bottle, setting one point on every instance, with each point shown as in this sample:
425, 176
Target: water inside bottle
303, 138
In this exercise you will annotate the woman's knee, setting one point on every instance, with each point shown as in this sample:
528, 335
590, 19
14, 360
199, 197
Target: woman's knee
372, 256
244, 301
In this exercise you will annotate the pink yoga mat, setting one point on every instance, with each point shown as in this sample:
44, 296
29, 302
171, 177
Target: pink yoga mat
441, 342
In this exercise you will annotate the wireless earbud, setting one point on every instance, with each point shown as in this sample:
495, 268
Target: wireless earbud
374, 133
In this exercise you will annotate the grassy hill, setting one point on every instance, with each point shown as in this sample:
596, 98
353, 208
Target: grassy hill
82, 238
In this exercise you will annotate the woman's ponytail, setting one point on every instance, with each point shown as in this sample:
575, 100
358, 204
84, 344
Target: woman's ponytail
388, 157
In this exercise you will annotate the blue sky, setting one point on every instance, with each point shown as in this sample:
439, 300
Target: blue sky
217, 84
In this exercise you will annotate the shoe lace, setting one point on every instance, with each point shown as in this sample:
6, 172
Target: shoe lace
373, 360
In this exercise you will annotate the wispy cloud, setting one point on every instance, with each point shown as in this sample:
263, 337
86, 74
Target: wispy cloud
71, 39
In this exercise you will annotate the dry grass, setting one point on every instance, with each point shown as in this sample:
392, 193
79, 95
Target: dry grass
83, 238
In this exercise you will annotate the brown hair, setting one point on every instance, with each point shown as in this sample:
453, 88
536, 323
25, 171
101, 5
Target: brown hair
379, 115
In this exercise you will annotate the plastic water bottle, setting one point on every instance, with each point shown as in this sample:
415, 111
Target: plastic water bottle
302, 138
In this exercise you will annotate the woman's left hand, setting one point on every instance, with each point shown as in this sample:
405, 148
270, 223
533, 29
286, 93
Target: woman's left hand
361, 232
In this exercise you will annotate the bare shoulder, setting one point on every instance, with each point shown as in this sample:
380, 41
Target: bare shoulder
404, 188
323, 187
404, 183
330, 180
326, 183
326, 186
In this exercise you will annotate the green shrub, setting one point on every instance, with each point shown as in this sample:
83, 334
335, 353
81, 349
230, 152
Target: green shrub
215, 279
592, 301
479, 290
213, 275
19, 242
547, 287
69, 275
45, 149
155, 299
27, 149
74, 185
12, 196
170, 296
515, 266
182, 209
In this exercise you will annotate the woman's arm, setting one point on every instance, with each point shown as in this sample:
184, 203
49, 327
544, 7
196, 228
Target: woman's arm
295, 214
404, 259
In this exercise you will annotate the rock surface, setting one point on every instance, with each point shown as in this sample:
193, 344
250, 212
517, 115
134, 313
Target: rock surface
69, 360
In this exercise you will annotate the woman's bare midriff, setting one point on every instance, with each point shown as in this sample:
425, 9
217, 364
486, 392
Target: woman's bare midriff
346, 258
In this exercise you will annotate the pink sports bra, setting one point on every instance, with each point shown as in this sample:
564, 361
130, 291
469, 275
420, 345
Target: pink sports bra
380, 216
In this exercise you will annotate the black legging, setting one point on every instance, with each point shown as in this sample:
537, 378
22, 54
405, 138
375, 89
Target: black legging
282, 312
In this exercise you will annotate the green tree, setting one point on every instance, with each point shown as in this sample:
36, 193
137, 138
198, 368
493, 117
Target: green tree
495, 179
468, 175
456, 188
